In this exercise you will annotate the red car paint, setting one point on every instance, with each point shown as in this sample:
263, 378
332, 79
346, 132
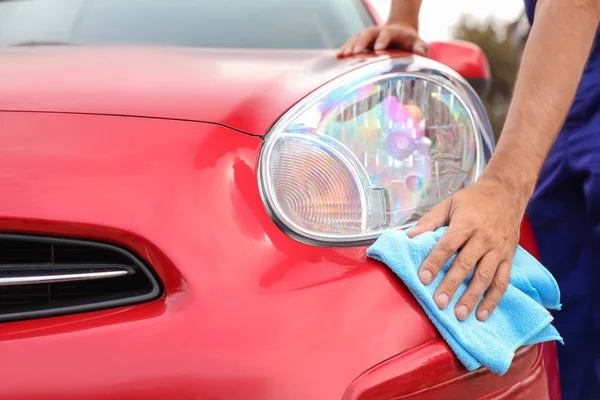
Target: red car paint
461, 56
144, 148
248, 312
173, 83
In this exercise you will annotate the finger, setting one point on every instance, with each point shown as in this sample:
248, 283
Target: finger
448, 244
346, 47
364, 40
461, 268
482, 278
348, 50
496, 291
436, 218
383, 40
349, 45
420, 47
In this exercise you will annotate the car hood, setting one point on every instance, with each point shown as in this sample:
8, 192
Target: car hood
247, 90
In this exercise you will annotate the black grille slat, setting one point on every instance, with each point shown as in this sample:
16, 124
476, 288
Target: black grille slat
29, 253
71, 254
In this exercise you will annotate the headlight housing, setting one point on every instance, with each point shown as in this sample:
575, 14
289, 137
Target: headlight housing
373, 150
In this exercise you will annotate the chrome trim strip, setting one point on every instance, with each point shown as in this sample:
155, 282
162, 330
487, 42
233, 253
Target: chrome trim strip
61, 277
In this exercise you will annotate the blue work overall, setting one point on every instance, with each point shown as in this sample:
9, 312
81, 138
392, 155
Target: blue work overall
565, 215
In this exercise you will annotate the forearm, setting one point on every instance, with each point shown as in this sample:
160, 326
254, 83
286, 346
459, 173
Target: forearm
405, 12
553, 61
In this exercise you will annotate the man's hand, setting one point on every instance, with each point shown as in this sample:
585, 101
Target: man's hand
484, 218
483, 225
398, 36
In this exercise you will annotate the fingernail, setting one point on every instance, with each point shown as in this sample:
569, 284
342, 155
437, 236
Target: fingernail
483, 315
356, 50
462, 312
425, 276
419, 49
442, 300
412, 233
379, 46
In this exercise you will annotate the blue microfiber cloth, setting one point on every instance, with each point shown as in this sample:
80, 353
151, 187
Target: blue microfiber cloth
521, 317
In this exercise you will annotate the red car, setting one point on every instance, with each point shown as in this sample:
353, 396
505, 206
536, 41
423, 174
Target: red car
187, 190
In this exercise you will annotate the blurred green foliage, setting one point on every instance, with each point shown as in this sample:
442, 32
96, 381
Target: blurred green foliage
503, 51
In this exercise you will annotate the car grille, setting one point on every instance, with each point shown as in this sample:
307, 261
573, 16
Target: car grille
46, 276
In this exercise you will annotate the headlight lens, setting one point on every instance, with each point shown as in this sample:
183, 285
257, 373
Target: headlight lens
373, 151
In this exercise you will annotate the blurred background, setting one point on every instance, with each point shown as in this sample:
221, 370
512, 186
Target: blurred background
499, 27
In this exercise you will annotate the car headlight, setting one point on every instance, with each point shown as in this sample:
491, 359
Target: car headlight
373, 150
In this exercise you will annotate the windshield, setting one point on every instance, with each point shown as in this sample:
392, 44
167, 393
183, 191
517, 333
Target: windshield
277, 24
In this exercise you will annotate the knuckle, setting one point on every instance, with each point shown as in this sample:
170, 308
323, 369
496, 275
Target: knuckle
450, 287
465, 229
485, 275
465, 264
468, 223
361, 36
500, 285
448, 245
487, 237
383, 33
371, 32
491, 303
434, 265
470, 299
